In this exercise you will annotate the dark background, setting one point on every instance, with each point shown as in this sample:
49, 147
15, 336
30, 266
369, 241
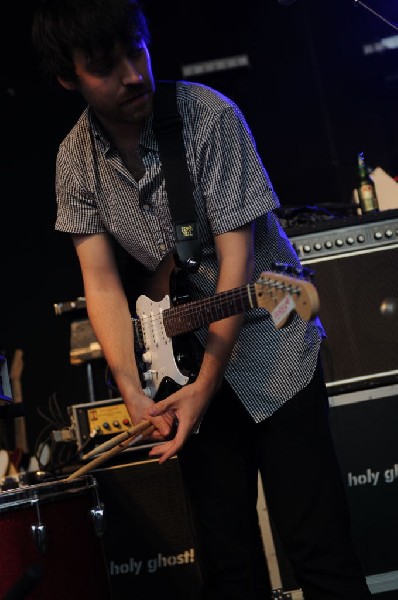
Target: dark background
312, 98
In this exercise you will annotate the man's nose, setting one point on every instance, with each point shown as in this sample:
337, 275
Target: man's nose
130, 72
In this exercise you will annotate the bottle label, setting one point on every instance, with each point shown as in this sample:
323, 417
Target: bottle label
367, 198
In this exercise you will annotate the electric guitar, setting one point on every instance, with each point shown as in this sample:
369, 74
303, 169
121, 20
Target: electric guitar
160, 323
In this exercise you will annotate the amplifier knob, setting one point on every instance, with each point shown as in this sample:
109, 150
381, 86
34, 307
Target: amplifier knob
350, 240
328, 244
339, 242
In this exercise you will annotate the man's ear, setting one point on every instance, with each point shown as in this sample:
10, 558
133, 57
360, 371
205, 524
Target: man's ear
68, 85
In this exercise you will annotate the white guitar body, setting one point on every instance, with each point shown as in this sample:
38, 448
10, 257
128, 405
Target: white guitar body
158, 355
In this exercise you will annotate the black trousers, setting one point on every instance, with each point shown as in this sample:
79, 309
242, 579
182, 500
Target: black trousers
294, 453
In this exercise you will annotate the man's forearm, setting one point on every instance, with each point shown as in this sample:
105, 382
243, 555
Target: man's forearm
112, 324
220, 343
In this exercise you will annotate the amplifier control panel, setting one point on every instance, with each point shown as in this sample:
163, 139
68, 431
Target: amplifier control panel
345, 239
99, 420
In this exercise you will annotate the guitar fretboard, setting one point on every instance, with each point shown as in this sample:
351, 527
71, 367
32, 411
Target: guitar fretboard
199, 313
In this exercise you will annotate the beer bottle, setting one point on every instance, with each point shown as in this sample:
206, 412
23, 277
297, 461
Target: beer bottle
366, 188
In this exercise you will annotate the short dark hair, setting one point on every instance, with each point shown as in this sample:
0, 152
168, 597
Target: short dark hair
60, 26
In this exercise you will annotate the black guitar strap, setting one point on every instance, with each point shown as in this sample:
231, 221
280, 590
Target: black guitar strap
167, 125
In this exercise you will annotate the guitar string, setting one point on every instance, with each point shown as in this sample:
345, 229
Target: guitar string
222, 299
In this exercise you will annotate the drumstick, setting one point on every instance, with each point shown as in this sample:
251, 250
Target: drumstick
112, 452
116, 439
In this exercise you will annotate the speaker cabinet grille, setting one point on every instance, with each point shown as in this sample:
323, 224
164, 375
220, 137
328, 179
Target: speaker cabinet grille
359, 310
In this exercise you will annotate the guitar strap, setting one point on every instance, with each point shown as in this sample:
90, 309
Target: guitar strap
167, 125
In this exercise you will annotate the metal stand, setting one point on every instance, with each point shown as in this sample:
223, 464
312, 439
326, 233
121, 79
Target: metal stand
278, 593
90, 381
84, 346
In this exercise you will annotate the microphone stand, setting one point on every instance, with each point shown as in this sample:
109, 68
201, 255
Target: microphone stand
378, 15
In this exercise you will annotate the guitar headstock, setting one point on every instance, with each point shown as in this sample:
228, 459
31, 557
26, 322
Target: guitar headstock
280, 294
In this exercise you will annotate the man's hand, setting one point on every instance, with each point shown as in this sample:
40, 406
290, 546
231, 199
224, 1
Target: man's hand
188, 406
139, 405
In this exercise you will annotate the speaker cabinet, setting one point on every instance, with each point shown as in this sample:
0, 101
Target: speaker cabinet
364, 428
149, 538
356, 274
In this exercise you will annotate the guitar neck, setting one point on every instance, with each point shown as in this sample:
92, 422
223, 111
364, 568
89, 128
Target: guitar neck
199, 313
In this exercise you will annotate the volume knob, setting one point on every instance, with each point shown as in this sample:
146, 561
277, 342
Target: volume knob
147, 357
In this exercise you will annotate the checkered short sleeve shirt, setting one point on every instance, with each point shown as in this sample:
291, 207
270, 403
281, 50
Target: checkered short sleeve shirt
96, 193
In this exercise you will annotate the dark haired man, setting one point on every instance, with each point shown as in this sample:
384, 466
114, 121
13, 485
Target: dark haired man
258, 401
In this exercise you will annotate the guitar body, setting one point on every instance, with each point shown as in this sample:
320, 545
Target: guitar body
165, 363
166, 315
